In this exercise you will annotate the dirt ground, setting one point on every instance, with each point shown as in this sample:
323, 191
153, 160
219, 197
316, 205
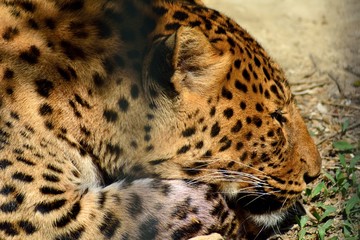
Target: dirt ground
317, 42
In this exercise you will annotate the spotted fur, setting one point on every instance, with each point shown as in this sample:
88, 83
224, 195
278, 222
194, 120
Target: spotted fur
173, 97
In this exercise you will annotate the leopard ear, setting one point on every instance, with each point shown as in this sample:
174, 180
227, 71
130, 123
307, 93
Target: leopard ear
184, 61
198, 65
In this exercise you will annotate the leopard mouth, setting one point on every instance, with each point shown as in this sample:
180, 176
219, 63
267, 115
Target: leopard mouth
265, 216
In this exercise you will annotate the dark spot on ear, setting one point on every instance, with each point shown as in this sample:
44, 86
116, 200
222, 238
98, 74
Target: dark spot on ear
161, 69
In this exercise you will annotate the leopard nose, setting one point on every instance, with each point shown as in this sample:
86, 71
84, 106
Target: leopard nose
313, 169
308, 179
311, 166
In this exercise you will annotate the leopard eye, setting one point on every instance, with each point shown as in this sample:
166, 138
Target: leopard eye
278, 115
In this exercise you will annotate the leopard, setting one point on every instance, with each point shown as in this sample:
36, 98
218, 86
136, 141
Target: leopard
143, 119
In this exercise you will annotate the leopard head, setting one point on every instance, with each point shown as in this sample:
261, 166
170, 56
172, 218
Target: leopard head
233, 121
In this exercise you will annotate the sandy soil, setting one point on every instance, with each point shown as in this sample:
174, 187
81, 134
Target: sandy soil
317, 42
